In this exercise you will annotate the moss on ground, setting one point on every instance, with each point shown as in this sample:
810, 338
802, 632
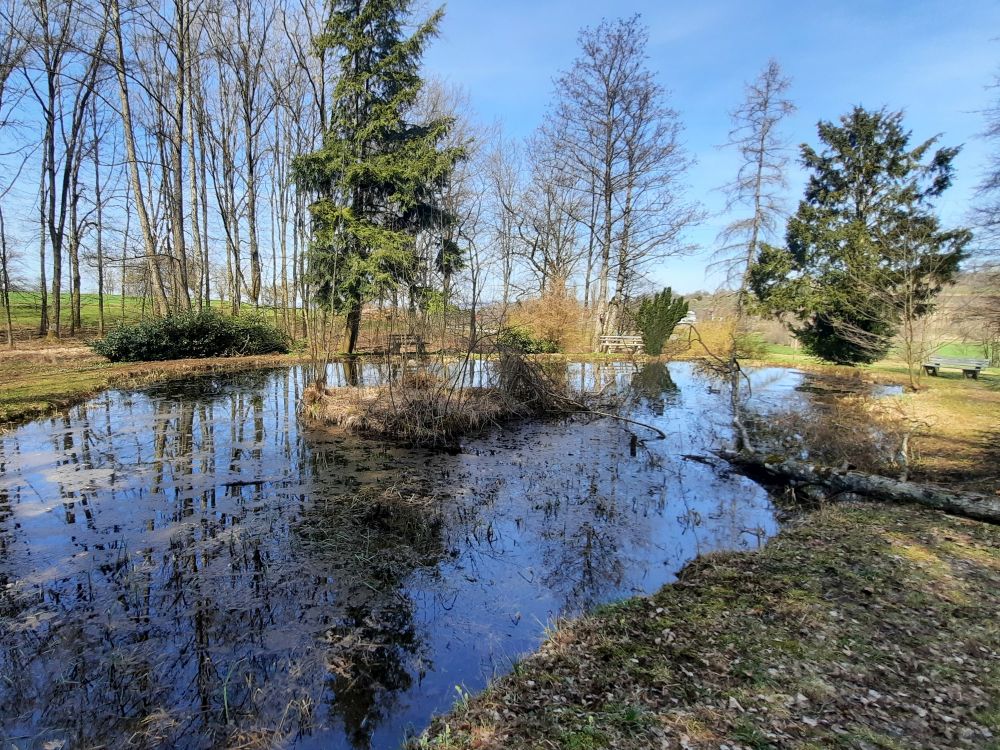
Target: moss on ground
859, 625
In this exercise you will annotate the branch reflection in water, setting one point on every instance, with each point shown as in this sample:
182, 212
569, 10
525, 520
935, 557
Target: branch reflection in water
187, 566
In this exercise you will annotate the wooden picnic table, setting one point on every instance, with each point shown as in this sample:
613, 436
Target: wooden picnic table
400, 341
616, 343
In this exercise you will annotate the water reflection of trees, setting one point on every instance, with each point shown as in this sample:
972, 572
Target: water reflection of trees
207, 575
653, 383
371, 541
163, 638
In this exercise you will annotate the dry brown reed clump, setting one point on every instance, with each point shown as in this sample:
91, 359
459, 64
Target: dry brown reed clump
430, 410
856, 431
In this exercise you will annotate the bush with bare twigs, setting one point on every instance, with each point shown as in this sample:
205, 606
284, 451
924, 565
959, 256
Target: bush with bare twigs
559, 318
849, 431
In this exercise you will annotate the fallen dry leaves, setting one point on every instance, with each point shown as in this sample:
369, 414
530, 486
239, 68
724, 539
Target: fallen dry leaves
859, 625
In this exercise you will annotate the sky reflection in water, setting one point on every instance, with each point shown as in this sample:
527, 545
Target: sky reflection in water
187, 566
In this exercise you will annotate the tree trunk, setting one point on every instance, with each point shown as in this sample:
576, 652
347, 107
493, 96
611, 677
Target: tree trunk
5, 281
352, 328
156, 279
605, 268
75, 321
295, 272
75, 237
176, 138
839, 481
194, 194
55, 238
98, 204
591, 237
255, 266
623, 275
43, 320
206, 266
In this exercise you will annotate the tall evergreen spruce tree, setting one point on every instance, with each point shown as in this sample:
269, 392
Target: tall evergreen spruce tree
377, 175
864, 253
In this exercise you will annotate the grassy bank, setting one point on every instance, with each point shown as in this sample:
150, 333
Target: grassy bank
25, 308
857, 626
40, 381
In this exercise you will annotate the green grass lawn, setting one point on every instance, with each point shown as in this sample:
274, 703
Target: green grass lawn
893, 364
970, 350
784, 349
26, 308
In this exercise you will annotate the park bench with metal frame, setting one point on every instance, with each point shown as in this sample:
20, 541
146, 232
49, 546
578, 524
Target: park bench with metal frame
970, 367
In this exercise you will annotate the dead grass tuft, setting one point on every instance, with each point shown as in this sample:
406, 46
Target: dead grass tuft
425, 410
850, 431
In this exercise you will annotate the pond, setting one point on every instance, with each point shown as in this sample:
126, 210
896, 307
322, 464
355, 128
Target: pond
190, 566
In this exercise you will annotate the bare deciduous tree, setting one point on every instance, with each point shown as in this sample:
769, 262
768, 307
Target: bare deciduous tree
760, 179
624, 154
986, 213
132, 158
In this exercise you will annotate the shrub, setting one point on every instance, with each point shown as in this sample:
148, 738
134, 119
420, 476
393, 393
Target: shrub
713, 338
196, 334
556, 317
519, 339
750, 345
725, 338
657, 317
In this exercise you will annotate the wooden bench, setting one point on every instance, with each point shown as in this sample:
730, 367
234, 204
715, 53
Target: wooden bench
969, 367
409, 341
616, 343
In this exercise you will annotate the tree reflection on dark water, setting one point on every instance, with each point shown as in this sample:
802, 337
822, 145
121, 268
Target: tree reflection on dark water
188, 566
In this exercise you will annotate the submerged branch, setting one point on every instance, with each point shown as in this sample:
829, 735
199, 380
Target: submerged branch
587, 410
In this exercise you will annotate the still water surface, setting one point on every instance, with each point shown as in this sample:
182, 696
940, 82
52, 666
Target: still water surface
191, 566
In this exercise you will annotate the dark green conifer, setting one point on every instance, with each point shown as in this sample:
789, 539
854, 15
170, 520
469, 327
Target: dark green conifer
864, 251
657, 318
378, 175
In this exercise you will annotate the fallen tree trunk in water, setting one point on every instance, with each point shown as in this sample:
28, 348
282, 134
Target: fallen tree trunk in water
787, 471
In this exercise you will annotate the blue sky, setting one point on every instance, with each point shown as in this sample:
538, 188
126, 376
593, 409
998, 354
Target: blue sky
931, 59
